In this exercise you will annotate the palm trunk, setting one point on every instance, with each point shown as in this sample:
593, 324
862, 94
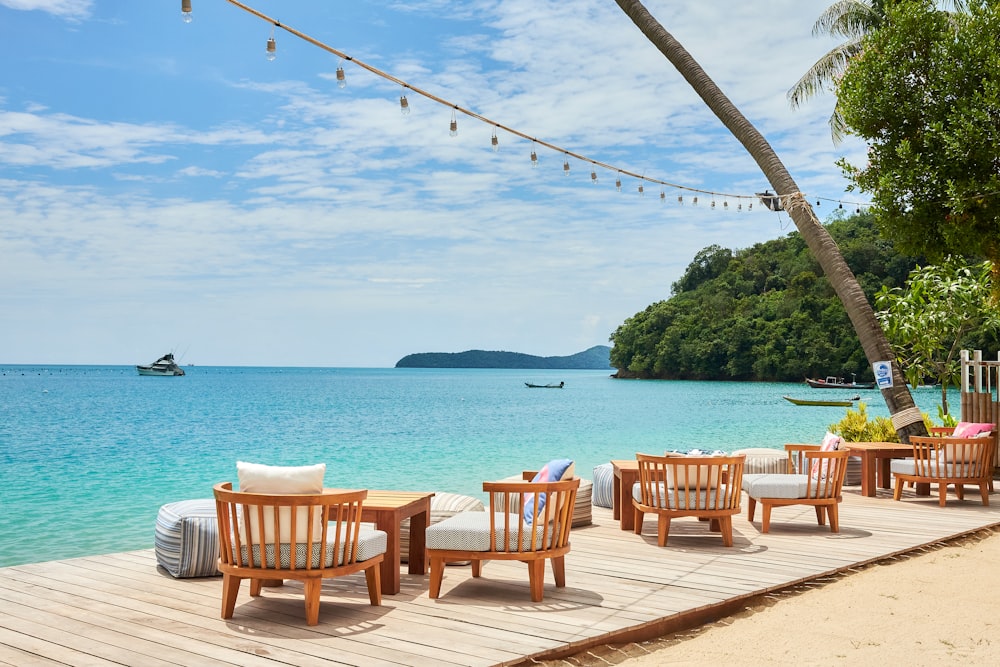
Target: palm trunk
906, 417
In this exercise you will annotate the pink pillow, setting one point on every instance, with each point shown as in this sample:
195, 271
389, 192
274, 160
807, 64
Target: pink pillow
972, 430
830, 443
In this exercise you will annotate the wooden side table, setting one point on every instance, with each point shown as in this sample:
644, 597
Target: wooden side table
626, 475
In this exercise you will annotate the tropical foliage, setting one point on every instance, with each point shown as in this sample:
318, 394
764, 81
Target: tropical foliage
934, 316
764, 313
925, 95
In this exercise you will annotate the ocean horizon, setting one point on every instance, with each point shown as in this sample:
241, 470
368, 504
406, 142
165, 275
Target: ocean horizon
90, 453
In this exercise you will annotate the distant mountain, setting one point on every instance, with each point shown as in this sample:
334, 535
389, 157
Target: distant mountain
598, 356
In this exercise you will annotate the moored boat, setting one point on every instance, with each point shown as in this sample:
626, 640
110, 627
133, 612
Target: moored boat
164, 366
831, 382
846, 403
545, 386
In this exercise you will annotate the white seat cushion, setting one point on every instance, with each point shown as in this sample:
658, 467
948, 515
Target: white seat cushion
684, 499
470, 531
776, 486
371, 543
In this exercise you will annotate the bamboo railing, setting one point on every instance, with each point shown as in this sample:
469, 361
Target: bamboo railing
980, 383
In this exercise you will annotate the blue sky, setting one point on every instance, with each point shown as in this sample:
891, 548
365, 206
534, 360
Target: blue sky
163, 186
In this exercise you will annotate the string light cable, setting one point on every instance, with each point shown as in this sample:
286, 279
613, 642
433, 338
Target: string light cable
777, 202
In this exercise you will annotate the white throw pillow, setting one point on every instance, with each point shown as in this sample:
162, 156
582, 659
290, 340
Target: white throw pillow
260, 478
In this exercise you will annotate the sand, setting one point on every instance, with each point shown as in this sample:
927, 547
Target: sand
935, 607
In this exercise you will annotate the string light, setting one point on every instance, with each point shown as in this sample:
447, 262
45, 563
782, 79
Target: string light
186, 11
494, 142
618, 182
271, 52
593, 176
642, 191
663, 196
404, 105
404, 109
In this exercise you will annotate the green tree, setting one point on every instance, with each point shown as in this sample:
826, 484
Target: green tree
821, 244
925, 94
848, 19
929, 320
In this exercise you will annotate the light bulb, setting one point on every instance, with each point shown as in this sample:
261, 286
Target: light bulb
186, 11
453, 128
341, 78
494, 142
271, 52
694, 201
642, 191
534, 159
404, 105
618, 183
680, 199
593, 176
566, 168
663, 197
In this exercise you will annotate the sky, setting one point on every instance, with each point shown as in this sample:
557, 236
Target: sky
165, 187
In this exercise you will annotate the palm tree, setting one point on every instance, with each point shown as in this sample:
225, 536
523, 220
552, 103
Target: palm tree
906, 417
851, 20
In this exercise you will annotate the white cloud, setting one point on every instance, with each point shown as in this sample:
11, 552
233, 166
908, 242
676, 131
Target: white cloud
70, 9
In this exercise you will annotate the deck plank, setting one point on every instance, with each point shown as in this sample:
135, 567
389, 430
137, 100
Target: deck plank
121, 609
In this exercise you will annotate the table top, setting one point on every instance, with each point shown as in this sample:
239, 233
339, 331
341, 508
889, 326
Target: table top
877, 446
625, 464
378, 499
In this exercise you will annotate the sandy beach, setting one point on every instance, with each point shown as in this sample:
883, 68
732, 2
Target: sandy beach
933, 607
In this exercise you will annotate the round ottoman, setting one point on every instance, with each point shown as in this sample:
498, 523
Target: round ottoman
187, 538
602, 494
764, 460
443, 505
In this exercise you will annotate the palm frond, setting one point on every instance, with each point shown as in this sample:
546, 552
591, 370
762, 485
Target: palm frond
850, 19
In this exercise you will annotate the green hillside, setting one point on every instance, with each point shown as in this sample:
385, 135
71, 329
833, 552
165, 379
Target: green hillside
597, 357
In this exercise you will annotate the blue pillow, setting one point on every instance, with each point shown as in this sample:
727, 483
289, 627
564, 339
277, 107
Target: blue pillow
553, 471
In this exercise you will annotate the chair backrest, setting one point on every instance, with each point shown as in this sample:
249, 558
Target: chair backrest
545, 526
261, 531
947, 456
695, 482
825, 472
797, 456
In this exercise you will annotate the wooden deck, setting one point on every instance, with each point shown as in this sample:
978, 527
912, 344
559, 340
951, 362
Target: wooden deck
119, 609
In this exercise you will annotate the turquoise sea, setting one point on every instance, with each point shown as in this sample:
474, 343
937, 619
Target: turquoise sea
89, 453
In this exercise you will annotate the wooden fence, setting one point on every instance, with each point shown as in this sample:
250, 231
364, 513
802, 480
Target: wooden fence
980, 383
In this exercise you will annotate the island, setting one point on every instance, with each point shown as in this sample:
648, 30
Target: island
597, 357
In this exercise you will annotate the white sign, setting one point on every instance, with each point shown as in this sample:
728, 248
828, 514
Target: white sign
883, 374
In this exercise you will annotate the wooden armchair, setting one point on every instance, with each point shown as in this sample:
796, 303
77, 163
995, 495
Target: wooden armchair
944, 461
706, 487
267, 538
815, 478
527, 521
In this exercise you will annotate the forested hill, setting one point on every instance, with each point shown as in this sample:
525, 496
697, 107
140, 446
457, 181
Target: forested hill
596, 357
764, 313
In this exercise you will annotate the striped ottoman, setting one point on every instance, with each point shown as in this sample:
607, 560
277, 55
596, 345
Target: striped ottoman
187, 538
443, 505
604, 485
762, 460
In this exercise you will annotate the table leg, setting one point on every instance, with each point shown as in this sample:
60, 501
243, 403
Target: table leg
616, 497
628, 479
884, 474
418, 541
868, 464
389, 522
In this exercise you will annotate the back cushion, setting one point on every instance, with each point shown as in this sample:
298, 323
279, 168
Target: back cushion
831, 443
973, 430
556, 470
692, 477
259, 478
